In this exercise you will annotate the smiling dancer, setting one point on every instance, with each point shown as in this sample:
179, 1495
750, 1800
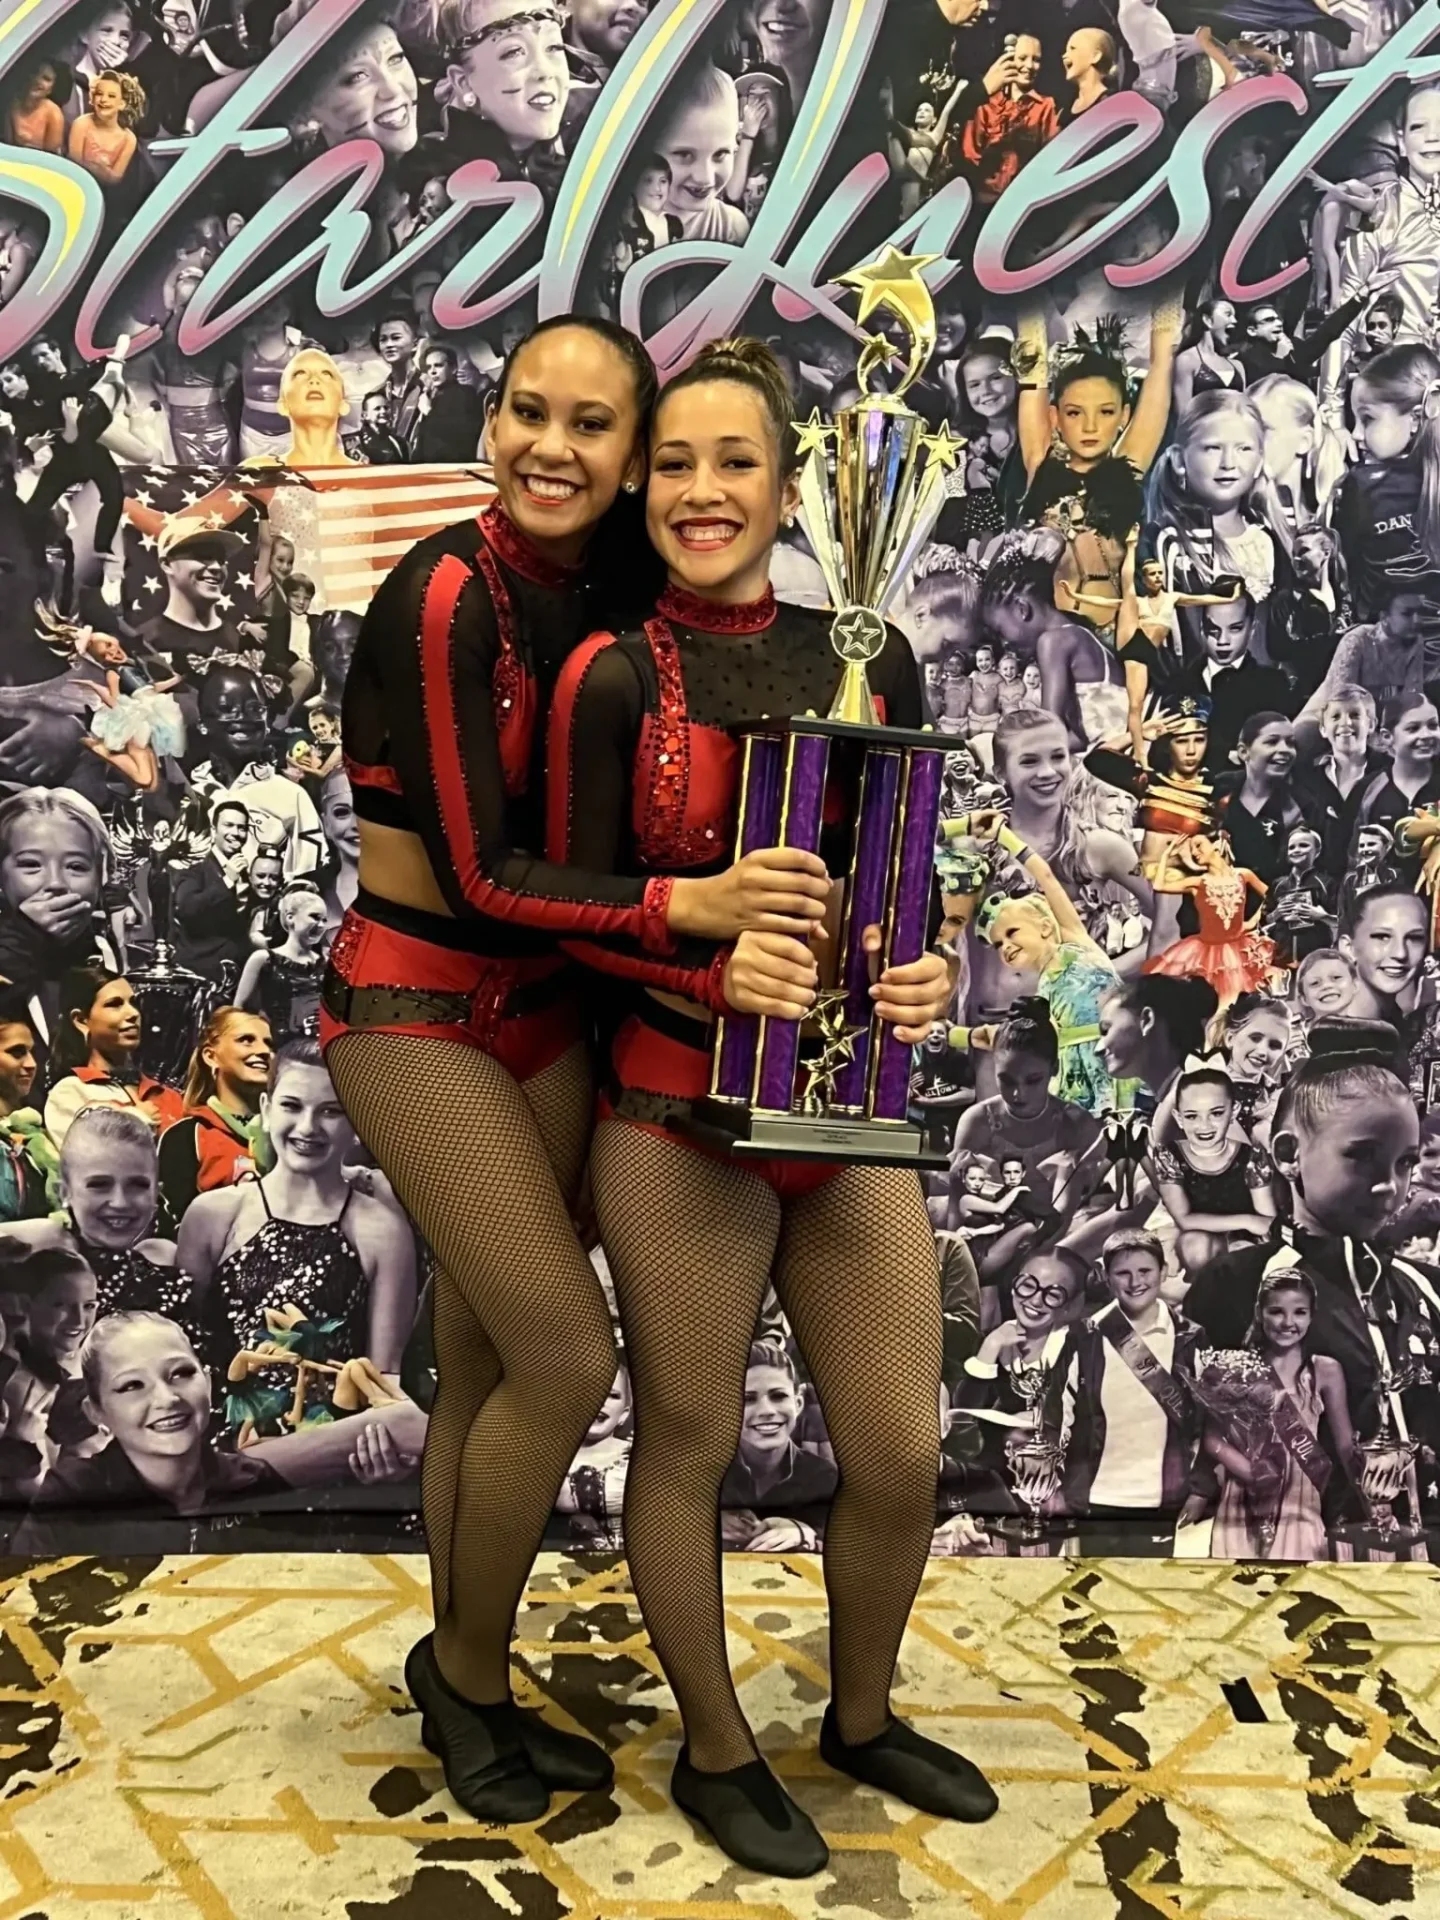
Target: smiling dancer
452, 1030
643, 781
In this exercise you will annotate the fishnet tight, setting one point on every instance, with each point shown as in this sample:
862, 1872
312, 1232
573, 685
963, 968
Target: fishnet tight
523, 1347
691, 1243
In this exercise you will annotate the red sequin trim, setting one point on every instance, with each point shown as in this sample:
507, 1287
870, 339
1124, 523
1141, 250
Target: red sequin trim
655, 934
505, 539
666, 839
345, 947
715, 983
715, 616
512, 689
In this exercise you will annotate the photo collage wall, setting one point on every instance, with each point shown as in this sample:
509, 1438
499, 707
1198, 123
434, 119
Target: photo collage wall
1180, 619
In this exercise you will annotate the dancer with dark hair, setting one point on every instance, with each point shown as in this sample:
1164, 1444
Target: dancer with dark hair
446, 997
96, 1054
1023, 1118
1089, 487
692, 1237
1150, 1026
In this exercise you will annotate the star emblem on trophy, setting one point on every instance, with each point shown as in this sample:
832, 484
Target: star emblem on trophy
837, 1049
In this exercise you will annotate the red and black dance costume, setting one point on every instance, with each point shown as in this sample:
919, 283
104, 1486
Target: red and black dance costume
643, 779
443, 738
667, 697
452, 1041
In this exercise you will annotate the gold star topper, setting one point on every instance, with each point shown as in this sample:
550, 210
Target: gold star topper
892, 285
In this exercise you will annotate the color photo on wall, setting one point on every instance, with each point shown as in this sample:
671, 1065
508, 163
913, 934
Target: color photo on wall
259, 269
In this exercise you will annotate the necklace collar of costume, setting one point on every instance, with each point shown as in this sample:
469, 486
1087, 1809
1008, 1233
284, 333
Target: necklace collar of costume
508, 543
717, 616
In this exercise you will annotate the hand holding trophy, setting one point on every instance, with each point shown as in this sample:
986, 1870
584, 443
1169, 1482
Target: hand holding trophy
871, 487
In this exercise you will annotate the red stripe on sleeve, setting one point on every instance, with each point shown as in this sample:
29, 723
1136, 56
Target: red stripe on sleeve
572, 914
558, 744
437, 622
704, 985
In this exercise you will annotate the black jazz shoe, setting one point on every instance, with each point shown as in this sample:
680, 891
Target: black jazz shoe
750, 1816
480, 1748
566, 1762
918, 1771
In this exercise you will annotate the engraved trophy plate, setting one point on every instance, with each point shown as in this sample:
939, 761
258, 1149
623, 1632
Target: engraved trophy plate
837, 1086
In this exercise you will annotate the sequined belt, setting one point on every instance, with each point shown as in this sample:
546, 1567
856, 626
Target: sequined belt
409, 1007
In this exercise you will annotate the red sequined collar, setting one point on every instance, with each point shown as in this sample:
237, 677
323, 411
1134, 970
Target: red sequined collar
507, 543
717, 616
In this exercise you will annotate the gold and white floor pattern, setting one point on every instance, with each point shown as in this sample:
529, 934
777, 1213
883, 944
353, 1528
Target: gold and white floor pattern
229, 1739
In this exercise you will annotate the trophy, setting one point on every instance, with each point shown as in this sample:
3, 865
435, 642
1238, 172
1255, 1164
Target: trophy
837, 1086
1388, 1473
174, 1002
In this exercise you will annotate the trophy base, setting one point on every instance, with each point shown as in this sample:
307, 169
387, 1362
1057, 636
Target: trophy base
850, 1140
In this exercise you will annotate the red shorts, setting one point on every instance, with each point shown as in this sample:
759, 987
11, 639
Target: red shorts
655, 1076
395, 970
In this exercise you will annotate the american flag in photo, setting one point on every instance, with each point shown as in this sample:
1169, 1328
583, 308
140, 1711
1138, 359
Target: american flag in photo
155, 496
350, 525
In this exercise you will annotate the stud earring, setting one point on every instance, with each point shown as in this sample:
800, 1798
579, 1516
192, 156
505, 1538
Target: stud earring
632, 486
468, 100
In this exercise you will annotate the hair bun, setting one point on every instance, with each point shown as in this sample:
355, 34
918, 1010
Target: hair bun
1031, 1006
1340, 1042
750, 360
755, 354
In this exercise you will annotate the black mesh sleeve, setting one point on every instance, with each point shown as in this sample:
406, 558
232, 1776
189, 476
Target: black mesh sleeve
431, 629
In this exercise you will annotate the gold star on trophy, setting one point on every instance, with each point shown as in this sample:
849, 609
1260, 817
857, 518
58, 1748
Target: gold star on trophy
892, 285
943, 447
812, 435
837, 1048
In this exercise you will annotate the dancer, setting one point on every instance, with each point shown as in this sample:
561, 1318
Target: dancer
1042, 932
96, 1049
1090, 487
283, 980
1346, 1143
304, 1235
1271, 1507
103, 140
693, 1237
446, 997
218, 1139
1228, 951
110, 1190
142, 1385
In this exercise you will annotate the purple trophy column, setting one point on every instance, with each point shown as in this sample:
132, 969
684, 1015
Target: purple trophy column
915, 880
869, 892
807, 763
733, 1075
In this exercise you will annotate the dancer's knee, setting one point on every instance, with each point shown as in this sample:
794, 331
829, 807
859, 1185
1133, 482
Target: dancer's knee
574, 1373
893, 1468
686, 1437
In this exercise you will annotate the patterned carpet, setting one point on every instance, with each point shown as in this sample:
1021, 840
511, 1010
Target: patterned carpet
226, 1739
